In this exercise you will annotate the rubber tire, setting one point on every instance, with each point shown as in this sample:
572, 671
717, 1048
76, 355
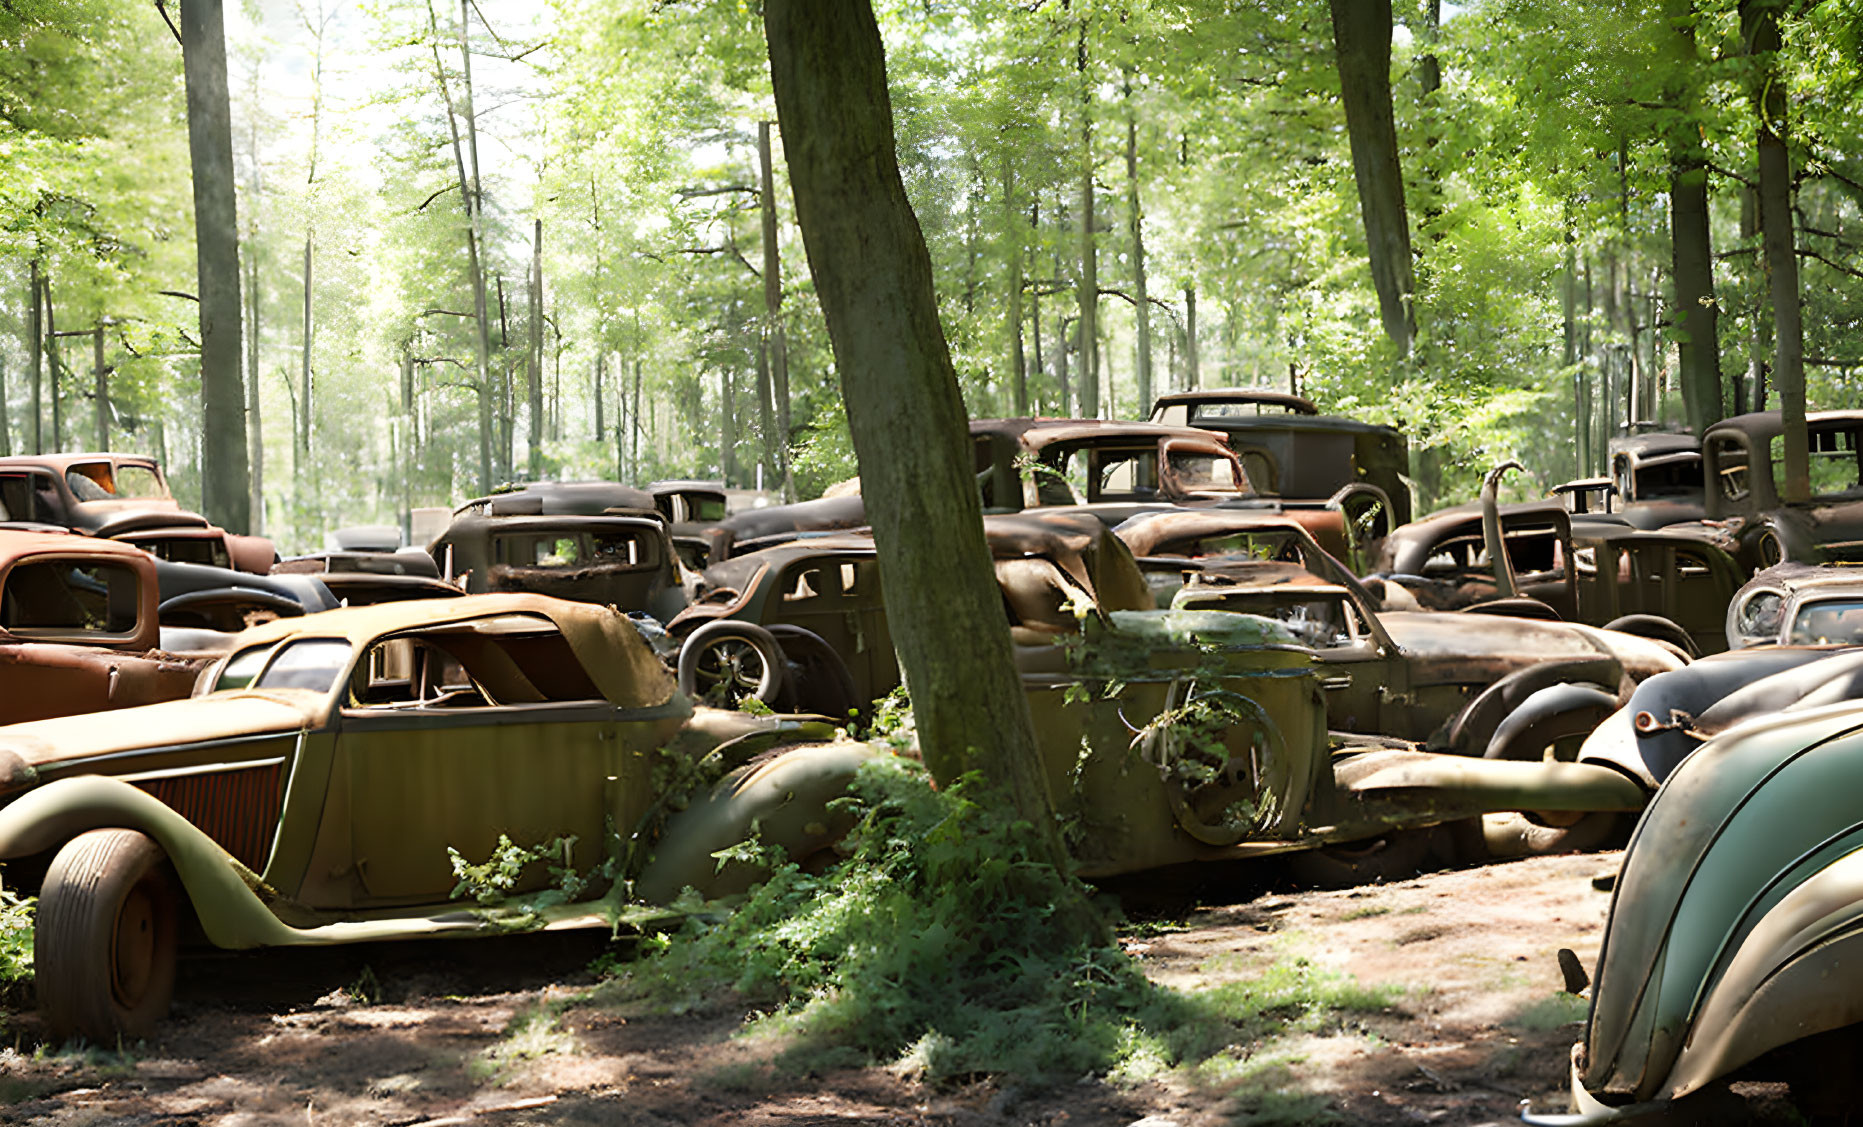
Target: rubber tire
816, 678
1398, 855
715, 636
105, 938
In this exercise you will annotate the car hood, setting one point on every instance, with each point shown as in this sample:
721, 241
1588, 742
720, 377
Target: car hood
217, 716
1487, 637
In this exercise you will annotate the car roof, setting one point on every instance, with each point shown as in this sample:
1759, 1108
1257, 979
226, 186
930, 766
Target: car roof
608, 645
15, 543
1298, 404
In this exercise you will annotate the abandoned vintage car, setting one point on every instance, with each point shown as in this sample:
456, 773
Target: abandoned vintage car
1735, 928
1669, 585
79, 628
1490, 685
310, 791
627, 561
1796, 604
124, 497
1743, 464
1290, 450
1215, 744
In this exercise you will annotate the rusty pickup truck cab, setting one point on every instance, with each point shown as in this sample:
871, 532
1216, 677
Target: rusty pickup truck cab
78, 628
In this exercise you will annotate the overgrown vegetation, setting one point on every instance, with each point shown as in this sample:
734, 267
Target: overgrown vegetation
16, 913
931, 946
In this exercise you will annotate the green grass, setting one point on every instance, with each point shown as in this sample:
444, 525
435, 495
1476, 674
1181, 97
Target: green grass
933, 950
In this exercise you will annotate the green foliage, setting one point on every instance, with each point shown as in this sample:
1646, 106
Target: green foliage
16, 915
492, 880
933, 945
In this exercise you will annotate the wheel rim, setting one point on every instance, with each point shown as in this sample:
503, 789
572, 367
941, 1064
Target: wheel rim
132, 961
730, 667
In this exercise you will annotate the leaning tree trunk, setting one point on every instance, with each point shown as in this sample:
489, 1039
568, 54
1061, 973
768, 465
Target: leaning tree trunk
874, 277
216, 227
1362, 39
1760, 23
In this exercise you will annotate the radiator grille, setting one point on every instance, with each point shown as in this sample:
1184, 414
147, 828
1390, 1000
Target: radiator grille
237, 808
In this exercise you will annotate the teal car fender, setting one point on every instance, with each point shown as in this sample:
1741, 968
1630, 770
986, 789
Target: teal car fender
1737, 918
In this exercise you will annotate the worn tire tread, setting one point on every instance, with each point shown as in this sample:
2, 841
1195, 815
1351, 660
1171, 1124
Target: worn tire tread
73, 934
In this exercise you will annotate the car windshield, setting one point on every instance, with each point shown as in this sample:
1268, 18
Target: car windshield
1319, 619
1837, 621
308, 663
100, 481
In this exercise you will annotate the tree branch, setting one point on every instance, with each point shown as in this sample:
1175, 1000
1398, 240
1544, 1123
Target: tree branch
726, 190
162, 7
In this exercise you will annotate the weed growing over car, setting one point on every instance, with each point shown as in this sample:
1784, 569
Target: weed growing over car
15, 941
933, 945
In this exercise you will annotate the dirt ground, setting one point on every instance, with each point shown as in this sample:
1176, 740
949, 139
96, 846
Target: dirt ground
497, 1033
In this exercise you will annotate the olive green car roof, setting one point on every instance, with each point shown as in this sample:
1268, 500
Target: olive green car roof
607, 644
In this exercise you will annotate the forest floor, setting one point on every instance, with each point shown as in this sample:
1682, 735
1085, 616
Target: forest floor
507, 1032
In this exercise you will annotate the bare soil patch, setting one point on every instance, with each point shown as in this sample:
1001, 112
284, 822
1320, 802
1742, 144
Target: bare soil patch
499, 1033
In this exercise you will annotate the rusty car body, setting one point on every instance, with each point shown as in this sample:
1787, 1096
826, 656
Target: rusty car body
310, 791
124, 497
1735, 926
1671, 584
1488, 685
1290, 450
621, 559
80, 628
1214, 746
1743, 466
1798, 604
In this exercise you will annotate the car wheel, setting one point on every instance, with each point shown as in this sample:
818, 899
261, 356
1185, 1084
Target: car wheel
1214, 758
105, 937
816, 679
723, 662
1398, 855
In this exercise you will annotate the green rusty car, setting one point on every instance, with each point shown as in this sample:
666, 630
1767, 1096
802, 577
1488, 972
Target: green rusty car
1735, 928
310, 792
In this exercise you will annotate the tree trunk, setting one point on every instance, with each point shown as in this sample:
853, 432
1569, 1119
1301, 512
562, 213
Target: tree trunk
1193, 378
1759, 21
1581, 399
727, 414
1088, 292
100, 389
1362, 39
1012, 292
906, 415
255, 438
1699, 347
1759, 338
469, 199
534, 359
36, 374
224, 495
1140, 302
601, 426
52, 363
775, 345
633, 421
302, 467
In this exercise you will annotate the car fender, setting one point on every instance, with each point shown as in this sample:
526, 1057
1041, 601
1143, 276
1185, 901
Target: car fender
1552, 713
221, 889
1475, 726
783, 799
1737, 828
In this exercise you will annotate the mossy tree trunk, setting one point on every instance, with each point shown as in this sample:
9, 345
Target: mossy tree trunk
874, 277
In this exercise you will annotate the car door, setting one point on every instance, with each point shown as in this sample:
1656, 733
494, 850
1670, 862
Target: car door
446, 744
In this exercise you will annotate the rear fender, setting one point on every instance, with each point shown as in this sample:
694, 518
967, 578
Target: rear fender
1554, 713
783, 800
1476, 724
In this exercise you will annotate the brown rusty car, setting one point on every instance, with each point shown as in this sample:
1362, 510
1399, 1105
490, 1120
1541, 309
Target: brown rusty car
79, 629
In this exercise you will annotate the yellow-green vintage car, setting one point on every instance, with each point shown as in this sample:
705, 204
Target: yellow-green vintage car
310, 791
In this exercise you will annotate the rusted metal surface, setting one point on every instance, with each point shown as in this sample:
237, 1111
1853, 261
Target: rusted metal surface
79, 630
1292, 451
623, 561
